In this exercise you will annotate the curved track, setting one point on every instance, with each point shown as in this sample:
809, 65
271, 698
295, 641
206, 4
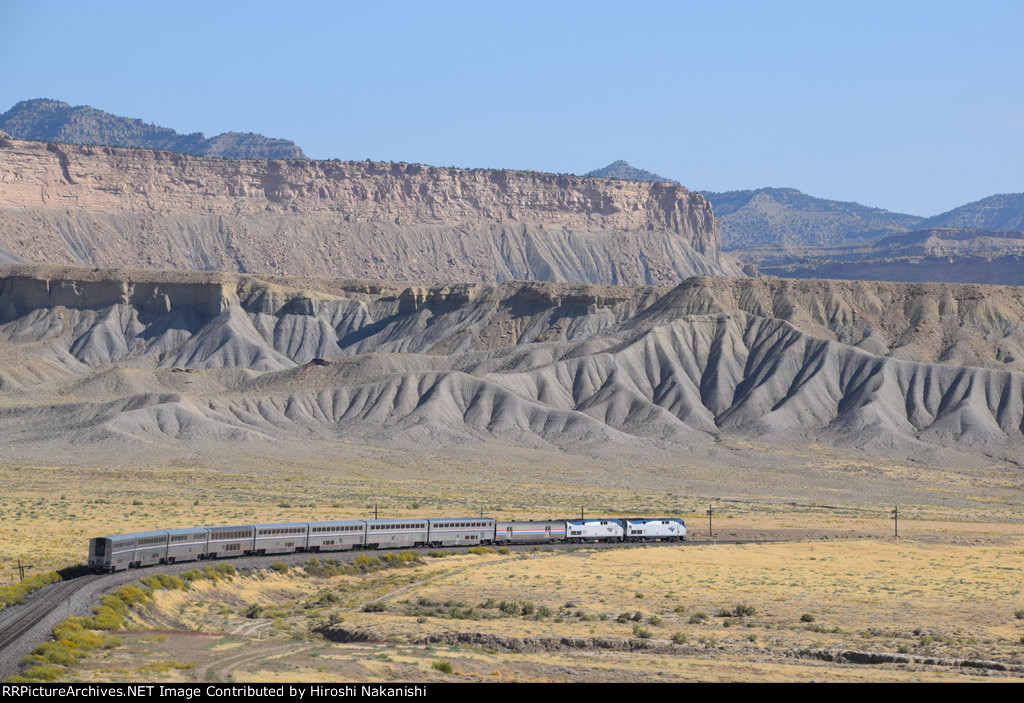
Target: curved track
22, 627
39, 605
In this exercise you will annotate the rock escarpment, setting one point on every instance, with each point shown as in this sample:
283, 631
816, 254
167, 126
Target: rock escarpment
926, 372
101, 206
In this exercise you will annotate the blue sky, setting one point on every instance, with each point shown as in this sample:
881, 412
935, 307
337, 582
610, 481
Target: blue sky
912, 106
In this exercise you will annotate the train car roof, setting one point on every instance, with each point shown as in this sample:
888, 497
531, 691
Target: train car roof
531, 521
401, 520
264, 525
135, 535
645, 520
231, 527
182, 530
324, 523
461, 519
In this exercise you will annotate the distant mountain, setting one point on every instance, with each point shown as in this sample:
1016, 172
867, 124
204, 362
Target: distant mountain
787, 216
55, 121
996, 212
947, 255
622, 171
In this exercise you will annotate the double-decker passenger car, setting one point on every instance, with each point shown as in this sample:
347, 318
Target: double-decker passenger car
397, 534
231, 541
113, 553
187, 544
281, 538
334, 536
455, 531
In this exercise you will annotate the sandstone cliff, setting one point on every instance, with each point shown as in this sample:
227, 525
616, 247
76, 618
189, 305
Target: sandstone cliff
113, 207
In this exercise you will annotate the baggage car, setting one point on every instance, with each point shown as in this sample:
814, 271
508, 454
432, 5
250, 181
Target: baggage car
529, 531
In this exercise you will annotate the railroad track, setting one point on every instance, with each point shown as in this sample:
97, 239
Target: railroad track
16, 621
25, 617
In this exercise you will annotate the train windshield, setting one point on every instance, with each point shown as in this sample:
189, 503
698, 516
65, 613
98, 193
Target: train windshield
101, 547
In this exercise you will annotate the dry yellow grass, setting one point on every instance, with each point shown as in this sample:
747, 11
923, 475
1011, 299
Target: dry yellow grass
51, 512
929, 599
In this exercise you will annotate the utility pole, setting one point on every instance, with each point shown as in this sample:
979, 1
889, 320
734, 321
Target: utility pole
374, 511
581, 512
21, 569
896, 521
711, 511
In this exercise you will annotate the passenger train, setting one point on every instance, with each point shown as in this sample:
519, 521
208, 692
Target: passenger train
138, 549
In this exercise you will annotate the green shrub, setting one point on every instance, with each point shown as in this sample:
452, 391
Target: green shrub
85, 640
641, 632
1019, 614
654, 620
42, 672
11, 595
698, 617
66, 629
364, 564
680, 638
280, 567
105, 618
807, 617
378, 607
59, 653
165, 581
115, 604
131, 594
504, 550
445, 667
744, 610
